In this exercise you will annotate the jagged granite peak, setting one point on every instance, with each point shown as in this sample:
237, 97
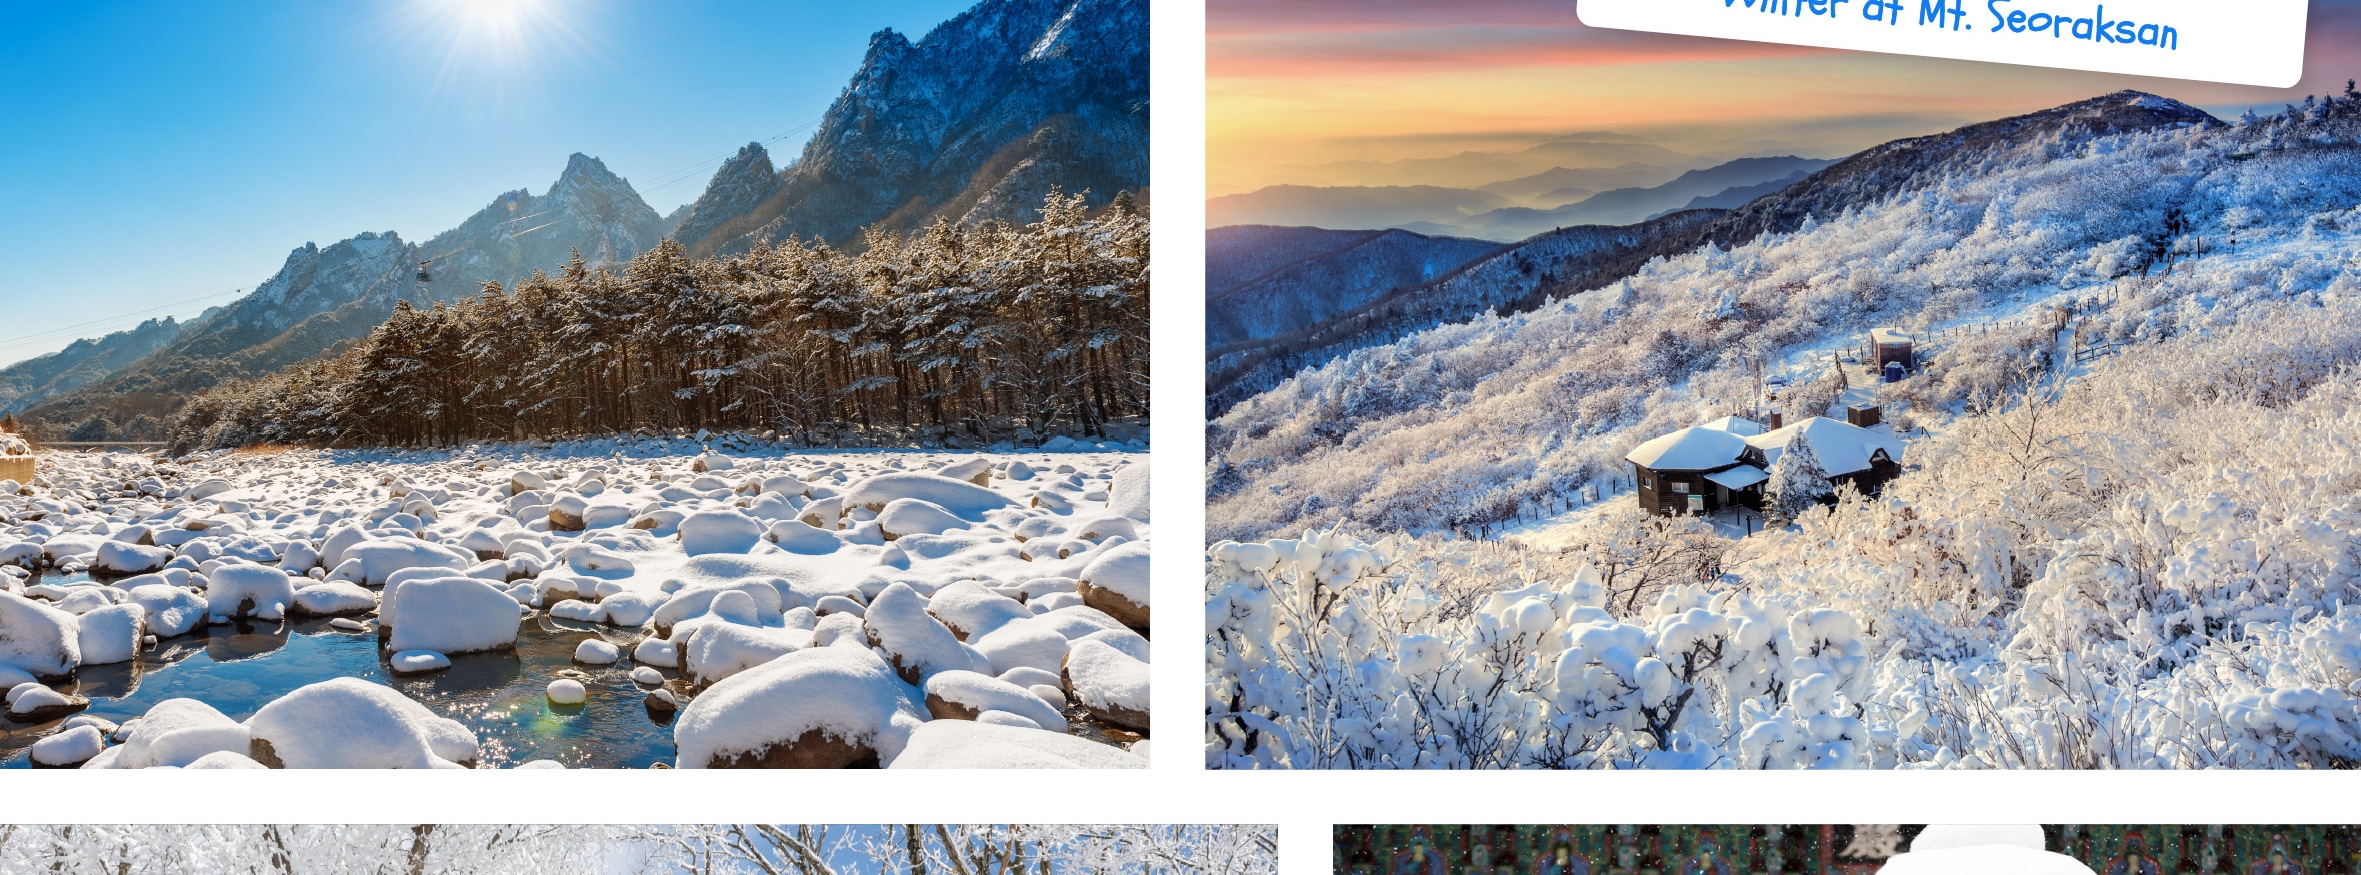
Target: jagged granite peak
975, 121
741, 183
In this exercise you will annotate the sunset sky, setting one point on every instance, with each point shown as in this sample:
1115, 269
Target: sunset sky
1297, 84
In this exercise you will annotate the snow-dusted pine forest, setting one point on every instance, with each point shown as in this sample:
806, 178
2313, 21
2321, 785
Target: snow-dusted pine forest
966, 334
738, 849
2127, 535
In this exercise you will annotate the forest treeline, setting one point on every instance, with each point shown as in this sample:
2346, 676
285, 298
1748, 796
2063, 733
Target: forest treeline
978, 333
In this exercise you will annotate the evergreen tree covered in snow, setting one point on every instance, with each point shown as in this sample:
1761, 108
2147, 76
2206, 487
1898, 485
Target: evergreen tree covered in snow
985, 333
1797, 480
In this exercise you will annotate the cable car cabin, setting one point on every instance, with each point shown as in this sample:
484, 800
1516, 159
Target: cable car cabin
1889, 346
422, 275
1726, 463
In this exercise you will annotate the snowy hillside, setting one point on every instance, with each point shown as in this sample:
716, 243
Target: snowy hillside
2125, 537
1305, 292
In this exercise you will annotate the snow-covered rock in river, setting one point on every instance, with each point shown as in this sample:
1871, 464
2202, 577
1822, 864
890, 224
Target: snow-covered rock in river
823, 707
112, 634
1117, 582
41, 640
235, 591
349, 723
449, 615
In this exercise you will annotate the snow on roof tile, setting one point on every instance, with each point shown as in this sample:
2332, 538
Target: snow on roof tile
1740, 477
1736, 426
1843, 448
1690, 449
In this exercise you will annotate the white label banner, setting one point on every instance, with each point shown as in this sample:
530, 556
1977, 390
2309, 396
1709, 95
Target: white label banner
2247, 42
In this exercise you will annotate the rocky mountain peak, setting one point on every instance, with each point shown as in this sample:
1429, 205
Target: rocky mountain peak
741, 184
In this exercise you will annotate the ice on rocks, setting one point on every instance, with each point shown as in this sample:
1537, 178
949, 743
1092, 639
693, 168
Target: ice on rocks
351, 723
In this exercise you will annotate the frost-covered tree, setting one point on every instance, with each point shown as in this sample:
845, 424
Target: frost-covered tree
1798, 482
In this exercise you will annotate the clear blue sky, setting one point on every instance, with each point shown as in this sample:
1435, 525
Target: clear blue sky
154, 151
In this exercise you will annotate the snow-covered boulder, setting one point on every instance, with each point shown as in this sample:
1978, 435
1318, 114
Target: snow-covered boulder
1111, 684
567, 691
449, 615
333, 598
260, 591
177, 732
969, 610
800, 537
69, 748
977, 470
124, 558
170, 610
225, 759
961, 695
919, 645
1024, 644
723, 649
823, 707
1129, 494
697, 599
914, 516
409, 662
597, 651
34, 703
349, 723
959, 497
967, 744
41, 640
1116, 583
379, 558
629, 609
719, 531
112, 634
207, 489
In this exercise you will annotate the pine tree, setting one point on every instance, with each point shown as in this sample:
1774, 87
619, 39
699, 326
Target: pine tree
1797, 480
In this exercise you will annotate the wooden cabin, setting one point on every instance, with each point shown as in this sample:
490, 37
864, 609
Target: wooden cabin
1888, 346
1726, 463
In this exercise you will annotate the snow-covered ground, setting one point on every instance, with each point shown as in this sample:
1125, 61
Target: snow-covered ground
807, 608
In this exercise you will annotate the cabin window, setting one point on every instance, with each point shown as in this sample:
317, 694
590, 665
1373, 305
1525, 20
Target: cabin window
1681, 488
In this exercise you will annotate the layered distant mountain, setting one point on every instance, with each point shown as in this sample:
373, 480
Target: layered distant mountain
1514, 209
976, 121
1348, 272
323, 297
34, 380
1562, 263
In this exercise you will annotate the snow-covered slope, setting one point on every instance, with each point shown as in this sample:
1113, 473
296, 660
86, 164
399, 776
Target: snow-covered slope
38, 379
1301, 293
975, 121
1479, 421
1861, 180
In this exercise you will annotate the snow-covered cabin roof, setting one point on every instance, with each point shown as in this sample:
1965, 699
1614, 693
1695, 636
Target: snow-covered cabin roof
1883, 336
1979, 850
1843, 448
1740, 477
1736, 426
1691, 449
